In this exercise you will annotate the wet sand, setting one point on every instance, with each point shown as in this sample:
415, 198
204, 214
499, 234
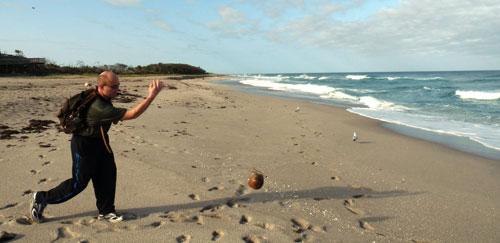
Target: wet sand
184, 165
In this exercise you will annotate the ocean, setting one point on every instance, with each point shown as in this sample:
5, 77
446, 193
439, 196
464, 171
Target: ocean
460, 109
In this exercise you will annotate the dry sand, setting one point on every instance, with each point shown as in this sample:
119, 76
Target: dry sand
183, 168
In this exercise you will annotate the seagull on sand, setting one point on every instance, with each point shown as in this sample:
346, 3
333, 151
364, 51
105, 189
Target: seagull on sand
354, 137
297, 109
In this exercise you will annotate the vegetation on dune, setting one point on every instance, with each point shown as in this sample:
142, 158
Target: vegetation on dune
18, 64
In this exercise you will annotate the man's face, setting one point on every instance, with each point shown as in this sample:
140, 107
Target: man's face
110, 89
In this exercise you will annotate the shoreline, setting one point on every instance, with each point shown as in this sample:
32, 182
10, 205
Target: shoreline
463, 144
184, 165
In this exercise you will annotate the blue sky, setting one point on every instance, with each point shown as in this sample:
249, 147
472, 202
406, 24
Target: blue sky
259, 36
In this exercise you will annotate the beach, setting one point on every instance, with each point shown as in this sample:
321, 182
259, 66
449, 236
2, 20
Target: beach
184, 165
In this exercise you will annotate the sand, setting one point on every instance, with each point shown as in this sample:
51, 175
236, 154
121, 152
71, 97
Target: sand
184, 165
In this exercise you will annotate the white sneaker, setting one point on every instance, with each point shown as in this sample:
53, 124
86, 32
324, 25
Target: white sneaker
112, 217
36, 209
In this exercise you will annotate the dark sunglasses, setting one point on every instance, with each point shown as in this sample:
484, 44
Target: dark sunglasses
116, 86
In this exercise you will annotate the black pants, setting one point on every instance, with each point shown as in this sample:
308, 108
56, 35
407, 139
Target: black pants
91, 161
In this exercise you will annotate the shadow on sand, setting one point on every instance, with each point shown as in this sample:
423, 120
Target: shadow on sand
322, 193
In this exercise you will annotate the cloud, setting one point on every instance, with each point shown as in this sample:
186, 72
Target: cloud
130, 3
424, 27
155, 18
233, 23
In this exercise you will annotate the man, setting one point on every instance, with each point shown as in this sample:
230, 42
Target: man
91, 154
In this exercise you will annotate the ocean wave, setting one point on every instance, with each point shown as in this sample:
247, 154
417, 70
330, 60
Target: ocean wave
356, 77
277, 78
337, 95
322, 78
374, 103
483, 134
432, 78
365, 91
304, 76
307, 88
478, 95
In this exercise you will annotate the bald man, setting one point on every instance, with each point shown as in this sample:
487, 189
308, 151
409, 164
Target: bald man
92, 156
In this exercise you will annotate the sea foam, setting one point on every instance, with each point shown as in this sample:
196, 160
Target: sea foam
271, 84
356, 77
478, 95
374, 103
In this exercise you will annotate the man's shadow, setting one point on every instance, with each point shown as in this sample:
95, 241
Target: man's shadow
322, 193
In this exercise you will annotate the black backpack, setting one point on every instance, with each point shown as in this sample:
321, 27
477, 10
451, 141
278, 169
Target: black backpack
74, 111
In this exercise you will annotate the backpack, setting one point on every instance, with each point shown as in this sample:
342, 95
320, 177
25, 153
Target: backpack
72, 115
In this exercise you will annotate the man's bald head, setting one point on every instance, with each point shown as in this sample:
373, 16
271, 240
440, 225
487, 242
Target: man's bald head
107, 77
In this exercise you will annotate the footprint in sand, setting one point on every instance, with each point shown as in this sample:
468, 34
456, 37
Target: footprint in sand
348, 202
266, 226
212, 208
24, 220
27, 192
355, 211
302, 224
365, 225
251, 239
242, 190
198, 220
232, 204
216, 188
46, 163
34, 172
11, 205
183, 238
194, 197
217, 235
65, 233
245, 219
157, 224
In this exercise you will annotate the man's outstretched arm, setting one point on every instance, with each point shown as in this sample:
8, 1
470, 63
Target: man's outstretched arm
154, 88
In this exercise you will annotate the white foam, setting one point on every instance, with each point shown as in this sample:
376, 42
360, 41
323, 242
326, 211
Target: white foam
272, 84
365, 91
304, 76
337, 95
356, 77
483, 134
393, 78
432, 78
322, 78
477, 95
377, 104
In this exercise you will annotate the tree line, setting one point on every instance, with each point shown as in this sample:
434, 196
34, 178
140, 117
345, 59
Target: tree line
20, 65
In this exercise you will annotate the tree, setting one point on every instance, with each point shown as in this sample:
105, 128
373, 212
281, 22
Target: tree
19, 53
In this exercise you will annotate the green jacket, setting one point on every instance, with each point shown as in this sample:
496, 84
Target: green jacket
101, 113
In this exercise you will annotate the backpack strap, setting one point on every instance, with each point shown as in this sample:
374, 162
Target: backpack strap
104, 140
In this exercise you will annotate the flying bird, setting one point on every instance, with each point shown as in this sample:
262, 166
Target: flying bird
354, 137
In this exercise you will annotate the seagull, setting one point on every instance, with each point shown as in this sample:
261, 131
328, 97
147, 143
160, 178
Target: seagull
354, 137
297, 109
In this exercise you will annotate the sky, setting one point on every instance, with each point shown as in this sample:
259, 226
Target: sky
259, 36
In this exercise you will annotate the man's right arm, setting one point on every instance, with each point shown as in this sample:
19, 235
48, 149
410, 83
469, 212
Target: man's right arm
154, 88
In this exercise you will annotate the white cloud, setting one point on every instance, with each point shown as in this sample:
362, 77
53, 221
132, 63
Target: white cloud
131, 3
161, 24
233, 23
424, 27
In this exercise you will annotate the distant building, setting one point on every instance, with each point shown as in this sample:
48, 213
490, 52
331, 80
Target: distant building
10, 64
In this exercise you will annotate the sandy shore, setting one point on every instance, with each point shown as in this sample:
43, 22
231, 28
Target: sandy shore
183, 168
